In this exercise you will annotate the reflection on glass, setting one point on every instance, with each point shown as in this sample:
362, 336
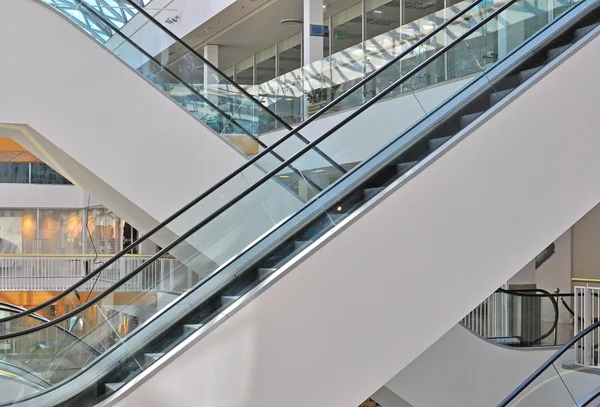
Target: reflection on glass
416, 9
346, 28
290, 54
101, 232
61, 231
244, 71
265, 64
14, 173
382, 16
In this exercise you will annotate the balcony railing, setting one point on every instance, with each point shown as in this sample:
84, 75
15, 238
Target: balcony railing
59, 272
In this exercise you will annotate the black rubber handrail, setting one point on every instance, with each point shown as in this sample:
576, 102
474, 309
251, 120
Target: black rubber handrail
244, 193
533, 292
550, 362
246, 165
4, 306
195, 92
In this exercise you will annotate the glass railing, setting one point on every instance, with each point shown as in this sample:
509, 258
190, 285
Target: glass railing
211, 249
30, 173
36, 354
240, 225
251, 206
298, 94
174, 68
565, 379
523, 318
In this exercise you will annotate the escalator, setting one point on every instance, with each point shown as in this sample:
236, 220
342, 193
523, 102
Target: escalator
342, 244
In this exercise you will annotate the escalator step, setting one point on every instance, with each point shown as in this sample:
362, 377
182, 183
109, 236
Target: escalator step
405, 167
436, 143
554, 52
153, 357
528, 73
264, 272
468, 119
111, 387
583, 31
498, 96
189, 328
371, 192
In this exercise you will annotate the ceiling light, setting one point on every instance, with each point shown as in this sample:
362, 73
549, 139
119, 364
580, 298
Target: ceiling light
321, 170
291, 21
377, 11
284, 176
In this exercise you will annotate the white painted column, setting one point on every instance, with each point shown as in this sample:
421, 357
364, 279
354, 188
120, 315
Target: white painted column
312, 46
211, 54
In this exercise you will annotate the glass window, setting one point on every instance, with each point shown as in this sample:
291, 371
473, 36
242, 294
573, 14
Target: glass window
229, 72
415, 9
244, 72
18, 227
382, 16
61, 231
101, 233
43, 174
14, 173
290, 54
347, 28
265, 65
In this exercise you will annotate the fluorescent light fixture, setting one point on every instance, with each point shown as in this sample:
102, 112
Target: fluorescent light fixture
377, 11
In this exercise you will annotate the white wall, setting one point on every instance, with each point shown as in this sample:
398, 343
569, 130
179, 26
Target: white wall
434, 242
586, 241
43, 196
463, 370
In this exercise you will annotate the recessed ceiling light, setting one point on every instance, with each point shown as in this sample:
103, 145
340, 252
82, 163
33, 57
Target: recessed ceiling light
377, 11
291, 21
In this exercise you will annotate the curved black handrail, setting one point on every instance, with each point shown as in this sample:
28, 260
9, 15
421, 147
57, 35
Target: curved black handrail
198, 94
24, 375
532, 292
539, 371
4, 306
246, 165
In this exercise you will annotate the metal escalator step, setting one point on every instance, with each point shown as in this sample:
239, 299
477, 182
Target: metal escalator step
111, 387
469, 118
371, 192
554, 52
583, 31
402, 168
152, 357
189, 328
436, 143
264, 271
528, 73
498, 96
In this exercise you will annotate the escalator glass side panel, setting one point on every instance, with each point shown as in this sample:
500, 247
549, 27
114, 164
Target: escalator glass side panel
209, 247
567, 381
181, 73
332, 76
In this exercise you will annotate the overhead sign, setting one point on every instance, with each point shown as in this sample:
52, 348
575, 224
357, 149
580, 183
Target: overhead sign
319, 30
